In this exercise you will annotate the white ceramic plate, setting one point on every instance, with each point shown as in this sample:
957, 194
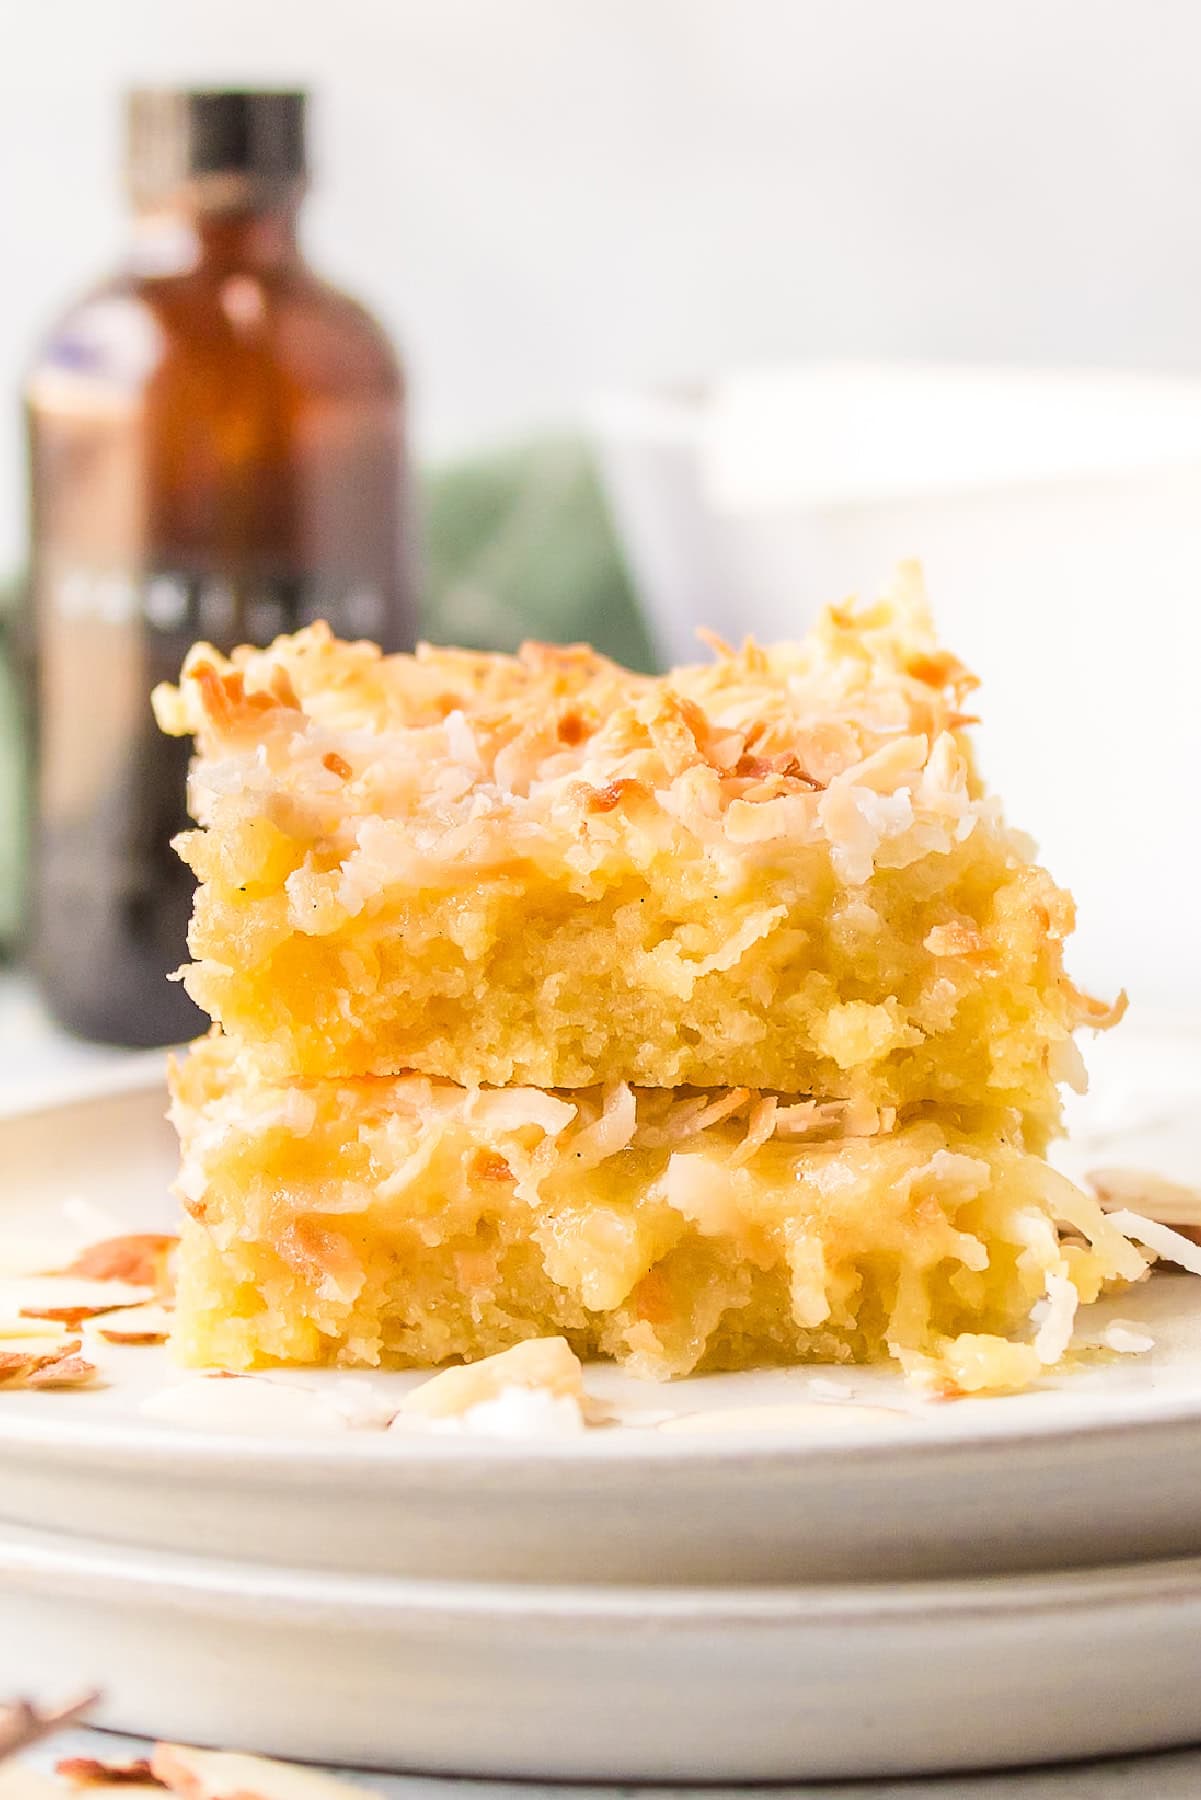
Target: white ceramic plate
1101, 1464
610, 1683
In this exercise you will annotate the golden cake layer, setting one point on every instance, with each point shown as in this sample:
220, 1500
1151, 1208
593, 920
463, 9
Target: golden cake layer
777, 869
406, 1221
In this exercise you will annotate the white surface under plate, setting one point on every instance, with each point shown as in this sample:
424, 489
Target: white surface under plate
618, 1684
1102, 1463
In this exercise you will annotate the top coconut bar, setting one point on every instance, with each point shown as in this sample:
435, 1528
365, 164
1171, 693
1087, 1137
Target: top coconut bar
777, 869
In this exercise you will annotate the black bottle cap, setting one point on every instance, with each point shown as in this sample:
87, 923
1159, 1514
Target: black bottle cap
217, 144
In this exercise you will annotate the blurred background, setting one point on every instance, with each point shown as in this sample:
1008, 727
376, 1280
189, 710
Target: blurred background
712, 308
539, 200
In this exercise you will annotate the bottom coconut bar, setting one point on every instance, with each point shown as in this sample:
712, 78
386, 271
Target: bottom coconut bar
405, 1221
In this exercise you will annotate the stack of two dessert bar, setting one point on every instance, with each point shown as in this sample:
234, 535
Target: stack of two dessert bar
707, 1020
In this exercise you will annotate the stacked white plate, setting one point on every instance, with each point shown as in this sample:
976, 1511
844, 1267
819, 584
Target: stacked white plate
790, 1574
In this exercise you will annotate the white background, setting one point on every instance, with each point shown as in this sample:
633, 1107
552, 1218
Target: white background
543, 197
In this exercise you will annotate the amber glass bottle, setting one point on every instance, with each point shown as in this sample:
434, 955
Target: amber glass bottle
216, 449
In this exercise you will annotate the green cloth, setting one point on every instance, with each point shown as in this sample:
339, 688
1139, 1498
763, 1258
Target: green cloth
518, 544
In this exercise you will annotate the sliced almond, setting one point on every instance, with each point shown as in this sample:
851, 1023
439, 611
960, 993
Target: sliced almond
70, 1316
15, 1330
1154, 1196
18, 1354
815, 1419
224, 1775
62, 1300
90, 1772
546, 1363
61, 1366
149, 1323
66, 1371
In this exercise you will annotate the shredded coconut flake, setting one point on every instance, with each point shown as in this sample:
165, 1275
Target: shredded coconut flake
506, 1109
460, 741
611, 1132
1170, 1245
1058, 1320
518, 1412
1127, 1339
721, 1108
760, 1127
1065, 1064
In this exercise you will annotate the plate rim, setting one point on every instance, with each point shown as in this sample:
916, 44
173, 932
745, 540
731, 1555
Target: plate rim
187, 1448
66, 1560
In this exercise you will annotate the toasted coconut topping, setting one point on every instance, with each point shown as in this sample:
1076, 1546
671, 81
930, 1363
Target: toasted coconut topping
957, 938
604, 799
745, 749
1100, 1015
715, 642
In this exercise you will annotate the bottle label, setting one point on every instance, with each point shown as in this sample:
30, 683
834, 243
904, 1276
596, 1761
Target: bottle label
184, 608
110, 786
